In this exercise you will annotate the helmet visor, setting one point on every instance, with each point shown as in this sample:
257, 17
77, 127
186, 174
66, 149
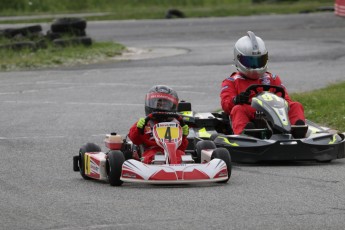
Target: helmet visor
253, 62
161, 102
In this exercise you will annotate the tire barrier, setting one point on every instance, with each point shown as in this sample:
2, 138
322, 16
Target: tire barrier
75, 26
16, 46
63, 42
23, 31
174, 13
63, 32
339, 8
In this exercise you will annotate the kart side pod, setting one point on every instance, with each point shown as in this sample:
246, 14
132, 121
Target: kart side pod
113, 141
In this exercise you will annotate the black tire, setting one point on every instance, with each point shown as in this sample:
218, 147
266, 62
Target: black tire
41, 44
205, 144
68, 25
24, 31
89, 147
223, 154
17, 46
174, 13
114, 169
52, 36
63, 42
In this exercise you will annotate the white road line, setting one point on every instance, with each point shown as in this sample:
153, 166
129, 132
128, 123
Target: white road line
32, 137
49, 137
72, 103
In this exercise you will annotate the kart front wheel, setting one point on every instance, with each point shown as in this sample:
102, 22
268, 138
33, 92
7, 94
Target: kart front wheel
205, 144
223, 154
114, 169
87, 148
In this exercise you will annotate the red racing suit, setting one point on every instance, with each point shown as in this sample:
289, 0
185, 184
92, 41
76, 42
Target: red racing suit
241, 114
149, 143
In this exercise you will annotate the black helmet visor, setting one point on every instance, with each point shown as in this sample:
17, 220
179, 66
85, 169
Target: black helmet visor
253, 62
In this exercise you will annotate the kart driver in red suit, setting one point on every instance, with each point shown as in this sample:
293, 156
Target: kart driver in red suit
160, 98
251, 56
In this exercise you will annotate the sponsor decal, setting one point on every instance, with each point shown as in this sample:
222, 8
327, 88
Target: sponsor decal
226, 140
87, 164
203, 133
333, 140
223, 174
237, 77
265, 80
230, 78
162, 96
94, 167
129, 175
167, 125
224, 88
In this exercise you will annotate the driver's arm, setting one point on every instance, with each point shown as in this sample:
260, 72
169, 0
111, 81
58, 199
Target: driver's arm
135, 135
138, 138
184, 144
278, 82
227, 95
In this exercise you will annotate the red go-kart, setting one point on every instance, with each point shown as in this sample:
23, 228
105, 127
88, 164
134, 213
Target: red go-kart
120, 164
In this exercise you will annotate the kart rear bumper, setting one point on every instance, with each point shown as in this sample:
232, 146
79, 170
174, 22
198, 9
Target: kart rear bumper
251, 150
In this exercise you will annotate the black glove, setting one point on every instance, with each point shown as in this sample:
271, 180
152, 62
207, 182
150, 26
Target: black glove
242, 98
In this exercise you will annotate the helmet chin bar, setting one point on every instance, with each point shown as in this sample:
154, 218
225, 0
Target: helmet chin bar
251, 73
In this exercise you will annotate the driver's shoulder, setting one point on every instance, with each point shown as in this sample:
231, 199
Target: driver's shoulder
235, 76
272, 76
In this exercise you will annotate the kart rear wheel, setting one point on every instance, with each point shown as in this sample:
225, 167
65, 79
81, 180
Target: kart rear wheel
205, 144
89, 147
114, 169
223, 154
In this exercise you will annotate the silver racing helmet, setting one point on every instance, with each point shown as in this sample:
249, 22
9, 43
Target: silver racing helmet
251, 56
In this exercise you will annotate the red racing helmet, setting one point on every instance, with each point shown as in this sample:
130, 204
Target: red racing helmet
161, 98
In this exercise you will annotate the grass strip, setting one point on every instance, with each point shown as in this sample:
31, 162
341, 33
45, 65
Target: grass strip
325, 106
55, 56
156, 9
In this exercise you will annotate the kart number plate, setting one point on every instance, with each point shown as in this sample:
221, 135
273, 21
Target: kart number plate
168, 131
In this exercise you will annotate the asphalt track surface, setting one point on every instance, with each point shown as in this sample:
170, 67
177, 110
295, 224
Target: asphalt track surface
46, 115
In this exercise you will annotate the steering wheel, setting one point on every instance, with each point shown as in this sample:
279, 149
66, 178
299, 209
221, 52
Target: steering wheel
160, 116
278, 89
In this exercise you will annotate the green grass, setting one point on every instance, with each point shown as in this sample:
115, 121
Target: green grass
54, 56
156, 9
325, 106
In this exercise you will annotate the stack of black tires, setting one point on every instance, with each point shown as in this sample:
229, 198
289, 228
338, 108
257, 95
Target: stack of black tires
29, 37
69, 31
63, 32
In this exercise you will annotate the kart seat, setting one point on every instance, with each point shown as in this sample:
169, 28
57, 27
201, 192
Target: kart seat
184, 106
262, 133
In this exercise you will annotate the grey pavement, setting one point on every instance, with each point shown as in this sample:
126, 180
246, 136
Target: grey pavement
46, 115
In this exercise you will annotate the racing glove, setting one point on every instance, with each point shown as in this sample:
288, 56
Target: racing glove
185, 130
242, 98
141, 123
